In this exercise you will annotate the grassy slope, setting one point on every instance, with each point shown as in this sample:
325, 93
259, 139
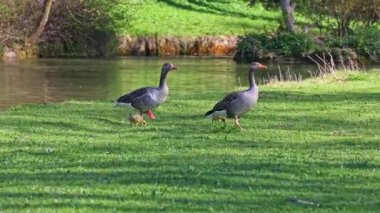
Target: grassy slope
317, 140
198, 17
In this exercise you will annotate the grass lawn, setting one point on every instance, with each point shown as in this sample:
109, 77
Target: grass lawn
317, 140
197, 17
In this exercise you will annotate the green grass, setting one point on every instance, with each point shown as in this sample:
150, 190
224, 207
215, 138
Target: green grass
317, 140
198, 17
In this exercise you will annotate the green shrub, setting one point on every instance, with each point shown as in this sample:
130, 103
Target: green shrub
292, 44
255, 47
52, 49
368, 42
84, 28
365, 41
249, 48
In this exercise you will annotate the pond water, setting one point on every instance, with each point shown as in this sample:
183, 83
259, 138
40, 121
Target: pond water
54, 80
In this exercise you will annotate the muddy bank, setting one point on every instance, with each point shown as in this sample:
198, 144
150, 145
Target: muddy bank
174, 46
106, 45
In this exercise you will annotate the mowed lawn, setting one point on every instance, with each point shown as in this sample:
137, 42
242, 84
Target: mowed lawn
317, 140
195, 18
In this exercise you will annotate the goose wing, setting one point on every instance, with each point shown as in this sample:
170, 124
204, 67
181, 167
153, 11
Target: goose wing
131, 97
225, 102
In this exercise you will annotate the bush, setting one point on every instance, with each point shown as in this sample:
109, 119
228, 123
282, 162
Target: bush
364, 40
360, 43
256, 47
249, 48
292, 44
74, 28
367, 42
85, 28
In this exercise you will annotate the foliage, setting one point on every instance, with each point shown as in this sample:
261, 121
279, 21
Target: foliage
292, 44
5, 12
275, 4
338, 16
368, 42
301, 140
341, 15
256, 47
85, 28
89, 28
362, 43
16, 19
80, 26
364, 40
288, 8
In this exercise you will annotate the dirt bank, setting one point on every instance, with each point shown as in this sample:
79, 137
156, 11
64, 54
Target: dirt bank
174, 46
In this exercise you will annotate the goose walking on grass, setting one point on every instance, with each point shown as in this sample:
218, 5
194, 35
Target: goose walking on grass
147, 98
236, 104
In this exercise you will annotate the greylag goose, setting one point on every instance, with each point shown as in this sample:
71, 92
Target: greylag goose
147, 98
235, 104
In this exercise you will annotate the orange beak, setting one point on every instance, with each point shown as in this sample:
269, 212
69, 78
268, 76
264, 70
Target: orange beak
262, 66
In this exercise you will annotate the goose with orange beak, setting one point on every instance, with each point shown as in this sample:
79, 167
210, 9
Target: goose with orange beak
236, 104
147, 98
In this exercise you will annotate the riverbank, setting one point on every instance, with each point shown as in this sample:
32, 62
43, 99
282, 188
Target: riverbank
248, 32
175, 46
179, 27
316, 140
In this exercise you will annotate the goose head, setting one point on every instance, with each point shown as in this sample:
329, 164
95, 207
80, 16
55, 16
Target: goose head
256, 66
168, 67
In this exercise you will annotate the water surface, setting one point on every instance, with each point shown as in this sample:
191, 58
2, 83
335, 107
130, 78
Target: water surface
55, 80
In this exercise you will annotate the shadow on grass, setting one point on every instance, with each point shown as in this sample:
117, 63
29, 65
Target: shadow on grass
244, 175
183, 150
287, 96
65, 205
212, 9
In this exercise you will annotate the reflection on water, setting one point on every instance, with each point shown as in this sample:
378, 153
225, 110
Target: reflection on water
54, 80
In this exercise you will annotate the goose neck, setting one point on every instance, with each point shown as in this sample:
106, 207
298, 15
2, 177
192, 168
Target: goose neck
163, 79
251, 79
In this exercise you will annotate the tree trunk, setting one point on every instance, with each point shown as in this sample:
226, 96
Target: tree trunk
346, 27
36, 35
287, 8
343, 26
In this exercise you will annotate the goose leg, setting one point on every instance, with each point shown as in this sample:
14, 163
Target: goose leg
224, 121
219, 119
237, 122
143, 120
240, 128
